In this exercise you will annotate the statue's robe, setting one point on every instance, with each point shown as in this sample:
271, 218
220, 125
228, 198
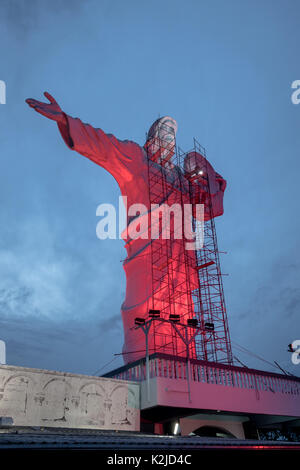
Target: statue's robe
149, 284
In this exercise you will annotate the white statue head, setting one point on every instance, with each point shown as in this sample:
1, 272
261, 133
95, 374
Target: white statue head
161, 139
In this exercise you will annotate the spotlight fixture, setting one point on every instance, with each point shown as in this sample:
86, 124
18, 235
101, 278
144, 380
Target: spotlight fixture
154, 313
192, 322
209, 326
139, 321
174, 318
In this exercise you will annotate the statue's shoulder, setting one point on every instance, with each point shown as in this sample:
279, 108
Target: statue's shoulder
129, 142
126, 143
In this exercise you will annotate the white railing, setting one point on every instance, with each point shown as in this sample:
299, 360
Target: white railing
229, 376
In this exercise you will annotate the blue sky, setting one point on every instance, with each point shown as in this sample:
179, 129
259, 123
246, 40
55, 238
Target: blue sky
223, 70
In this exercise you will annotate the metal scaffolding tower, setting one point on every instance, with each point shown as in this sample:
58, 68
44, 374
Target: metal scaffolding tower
185, 282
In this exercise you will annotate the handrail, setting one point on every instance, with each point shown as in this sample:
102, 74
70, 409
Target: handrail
200, 362
162, 365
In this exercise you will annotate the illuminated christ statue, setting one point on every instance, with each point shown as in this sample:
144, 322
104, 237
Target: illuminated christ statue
128, 162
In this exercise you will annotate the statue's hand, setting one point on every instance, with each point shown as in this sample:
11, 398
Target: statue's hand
51, 111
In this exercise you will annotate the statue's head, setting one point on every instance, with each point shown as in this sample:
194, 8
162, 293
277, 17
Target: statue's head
160, 142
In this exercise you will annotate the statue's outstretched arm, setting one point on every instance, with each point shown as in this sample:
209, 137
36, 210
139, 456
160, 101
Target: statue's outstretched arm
104, 149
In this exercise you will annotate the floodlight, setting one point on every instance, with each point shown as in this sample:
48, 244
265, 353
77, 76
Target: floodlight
174, 318
209, 326
192, 322
154, 313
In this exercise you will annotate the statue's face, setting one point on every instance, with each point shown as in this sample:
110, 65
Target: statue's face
161, 137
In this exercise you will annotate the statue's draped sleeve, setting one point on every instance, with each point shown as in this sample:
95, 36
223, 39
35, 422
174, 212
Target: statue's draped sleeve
115, 155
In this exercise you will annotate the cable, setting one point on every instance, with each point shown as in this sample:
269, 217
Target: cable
242, 364
251, 353
236, 345
97, 371
247, 351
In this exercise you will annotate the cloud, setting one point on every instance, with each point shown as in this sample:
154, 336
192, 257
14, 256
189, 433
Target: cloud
9, 297
110, 324
266, 319
34, 283
75, 346
25, 16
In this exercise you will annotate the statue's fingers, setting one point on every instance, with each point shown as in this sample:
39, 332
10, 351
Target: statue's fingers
41, 111
49, 97
33, 102
32, 105
29, 101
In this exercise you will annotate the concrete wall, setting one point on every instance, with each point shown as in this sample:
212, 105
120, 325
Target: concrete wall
173, 392
34, 397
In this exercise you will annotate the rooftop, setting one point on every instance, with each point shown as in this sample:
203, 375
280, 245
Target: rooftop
47, 438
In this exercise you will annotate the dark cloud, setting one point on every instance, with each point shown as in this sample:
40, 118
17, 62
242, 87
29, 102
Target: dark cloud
22, 15
74, 346
25, 16
289, 302
111, 324
13, 296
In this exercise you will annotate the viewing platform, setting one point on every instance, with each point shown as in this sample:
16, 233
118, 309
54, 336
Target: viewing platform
176, 387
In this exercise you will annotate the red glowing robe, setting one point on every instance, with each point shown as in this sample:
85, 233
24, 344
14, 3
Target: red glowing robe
128, 164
